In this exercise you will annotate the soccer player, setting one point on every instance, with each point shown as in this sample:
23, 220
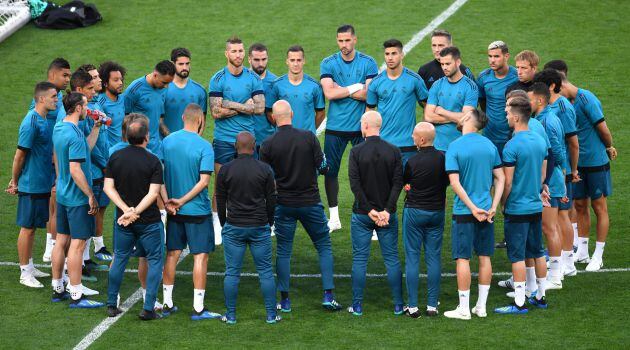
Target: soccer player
246, 198
182, 91
375, 172
539, 99
303, 93
236, 97
146, 95
58, 75
493, 83
188, 165
258, 60
77, 204
296, 159
395, 93
113, 79
133, 179
423, 217
526, 63
432, 71
345, 77
450, 98
596, 151
561, 106
524, 161
474, 167
30, 178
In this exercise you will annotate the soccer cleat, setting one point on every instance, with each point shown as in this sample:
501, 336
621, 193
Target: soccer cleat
204, 315
334, 225
541, 304
458, 313
400, 309
551, 284
167, 311
581, 259
511, 309
58, 297
413, 312
595, 264
147, 315
30, 281
87, 276
271, 319
284, 305
570, 271
501, 245
87, 291
103, 255
113, 311
432, 313
329, 302
356, 309
39, 274
92, 266
374, 236
508, 283
228, 319
480, 312
84, 303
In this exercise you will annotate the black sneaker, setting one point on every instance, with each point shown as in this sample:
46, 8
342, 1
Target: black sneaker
113, 311
413, 312
103, 255
87, 275
501, 245
432, 313
149, 315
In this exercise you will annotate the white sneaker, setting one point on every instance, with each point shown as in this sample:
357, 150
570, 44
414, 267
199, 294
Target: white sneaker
551, 284
158, 306
508, 283
461, 314
30, 281
583, 259
480, 312
570, 271
334, 225
87, 291
374, 236
38, 274
595, 264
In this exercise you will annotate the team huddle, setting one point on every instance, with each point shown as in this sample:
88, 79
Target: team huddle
521, 140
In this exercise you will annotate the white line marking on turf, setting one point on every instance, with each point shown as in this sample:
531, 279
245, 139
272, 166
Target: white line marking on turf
102, 327
417, 38
317, 275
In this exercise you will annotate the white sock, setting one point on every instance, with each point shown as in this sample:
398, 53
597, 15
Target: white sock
555, 268
57, 286
167, 291
86, 251
519, 293
599, 250
582, 250
163, 216
144, 294
334, 213
30, 264
530, 279
25, 270
541, 287
567, 259
198, 299
464, 300
484, 289
48, 238
98, 243
575, 234
75, 291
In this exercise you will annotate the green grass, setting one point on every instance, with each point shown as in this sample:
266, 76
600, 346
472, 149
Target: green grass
588, 313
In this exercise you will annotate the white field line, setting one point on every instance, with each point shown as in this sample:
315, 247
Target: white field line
417, 38
316, 275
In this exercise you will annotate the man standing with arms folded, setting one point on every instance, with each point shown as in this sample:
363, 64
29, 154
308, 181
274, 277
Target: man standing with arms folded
246, 199
345, 77
474, 167
524, 161
450, 98
423, 217
133, 179
375, 172
258, 58
188, 165
296, 159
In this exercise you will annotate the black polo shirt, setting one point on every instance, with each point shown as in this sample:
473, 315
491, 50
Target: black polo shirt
425, 174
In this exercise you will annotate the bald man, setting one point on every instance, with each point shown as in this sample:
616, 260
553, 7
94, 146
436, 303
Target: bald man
296, 159
246, 201
423, 217
188, 165
375, 171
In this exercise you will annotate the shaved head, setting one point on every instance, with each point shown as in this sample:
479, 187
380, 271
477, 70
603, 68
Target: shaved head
371, 122
282, 112
245, 143
423, 134
192, 113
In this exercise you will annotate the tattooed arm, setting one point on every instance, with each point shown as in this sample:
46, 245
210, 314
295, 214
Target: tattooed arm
218, 111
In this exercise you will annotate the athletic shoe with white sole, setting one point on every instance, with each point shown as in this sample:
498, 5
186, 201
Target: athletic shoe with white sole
570, 271
541, 304
271, 319
511, 309
87, 291
334, 225
204, 315
551, 284
413, 312
582, 259
85, 303
508, 283
30, 281
58, 297
458, 313
39, 274
329, 302
595, 264
284, 305
400, 309
480, 312
167, 311
103, 254
356, 309
228, 319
